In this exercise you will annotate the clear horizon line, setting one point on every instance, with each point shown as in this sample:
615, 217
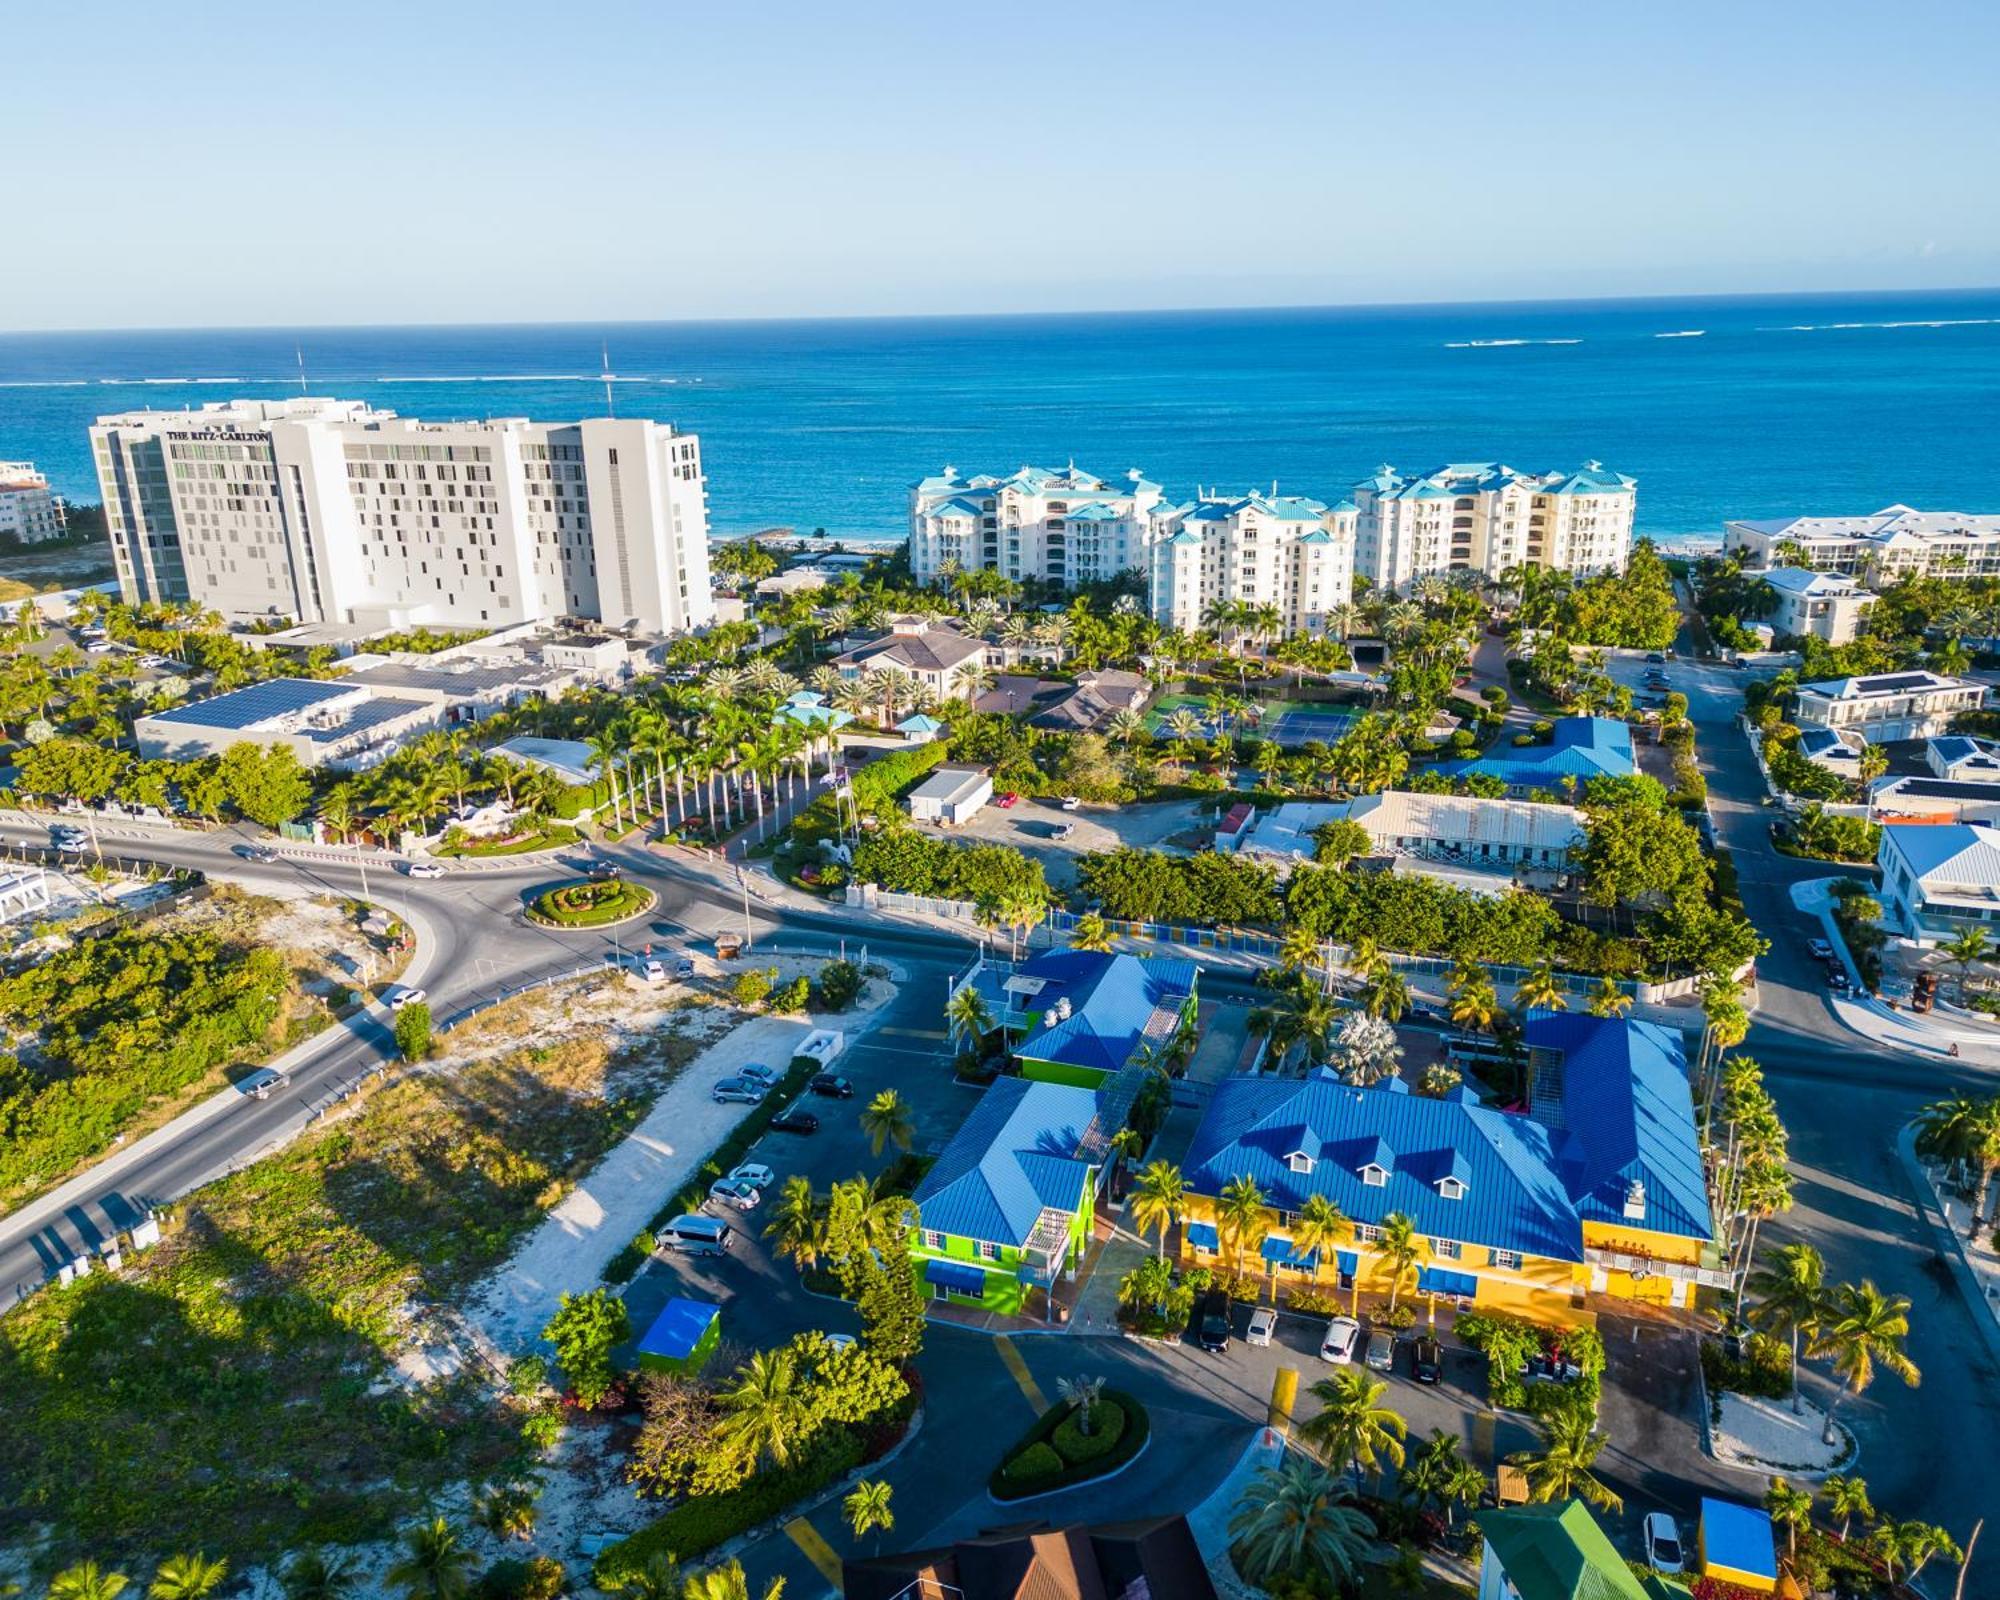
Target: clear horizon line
991, 316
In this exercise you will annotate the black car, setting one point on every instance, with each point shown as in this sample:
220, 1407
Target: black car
832, 1086
1427, 1360
1211, 1320
600, 869
794, 1122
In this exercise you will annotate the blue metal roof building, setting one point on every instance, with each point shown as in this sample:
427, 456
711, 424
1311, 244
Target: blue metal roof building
1016, 1156
1087, 1013
259, 702
1580, 749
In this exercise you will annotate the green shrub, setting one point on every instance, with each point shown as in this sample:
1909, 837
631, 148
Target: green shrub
1315, 1302
589, 904
1034, 1470
753, 987
1764, 1369
506, 1579
1034, 1466
791, 997
1077, 1447
839, 986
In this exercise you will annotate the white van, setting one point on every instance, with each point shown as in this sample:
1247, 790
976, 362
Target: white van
693, 1234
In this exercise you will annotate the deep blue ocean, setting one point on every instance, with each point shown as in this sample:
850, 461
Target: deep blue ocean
1720, 407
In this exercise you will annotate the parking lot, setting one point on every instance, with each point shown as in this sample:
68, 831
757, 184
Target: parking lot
1031, 826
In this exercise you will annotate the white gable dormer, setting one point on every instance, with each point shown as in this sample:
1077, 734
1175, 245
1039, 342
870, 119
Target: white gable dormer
1299, 1161
1374, 1174
1451, 1188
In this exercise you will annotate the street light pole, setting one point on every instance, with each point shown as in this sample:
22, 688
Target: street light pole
743, 882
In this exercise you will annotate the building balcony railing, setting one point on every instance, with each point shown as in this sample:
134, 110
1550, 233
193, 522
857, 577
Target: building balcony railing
1047, 1246
1705, 1273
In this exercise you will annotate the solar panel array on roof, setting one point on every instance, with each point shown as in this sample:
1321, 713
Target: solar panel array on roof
257, 702
1896, 683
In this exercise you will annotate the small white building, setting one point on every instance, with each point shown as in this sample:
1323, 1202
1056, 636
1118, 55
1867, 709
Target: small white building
1823, 604
1887, 706
1838, 750
568, 759
950, 795
1450, 830
1958, 758
28, 511
1940, 878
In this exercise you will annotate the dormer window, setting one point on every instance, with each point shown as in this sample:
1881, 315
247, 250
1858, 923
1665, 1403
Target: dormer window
1451, 1188
1374, 1176
1299, 1161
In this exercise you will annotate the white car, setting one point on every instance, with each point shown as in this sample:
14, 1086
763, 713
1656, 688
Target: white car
423, 869
1342, 1334
99, 647
755, 1174
406, 997
735, 1192
1263, 1322
1071, 803
1663, 1543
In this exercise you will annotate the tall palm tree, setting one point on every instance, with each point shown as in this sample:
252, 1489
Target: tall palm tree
1863, 1329
1966, 1134
887, 1120
1541, 990
797, 1225
1561, 1470
1791, 1300
87, 1581
1157, 1201
315, 1575
867, 1508
1090, 933
1298, 1520
188, 1576
727, 1582
1386, 995
1474, 1004
1239, 1209
1126, 725
1318, 1225
1966, 950
765, 1409
1790, 1508
1847, 1498
1438, 1474
1608, 999
659, 1579
1399, 1250
508, 1512
434, 1564
1352, 1426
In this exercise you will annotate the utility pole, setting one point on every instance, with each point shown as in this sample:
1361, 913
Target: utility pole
743, 882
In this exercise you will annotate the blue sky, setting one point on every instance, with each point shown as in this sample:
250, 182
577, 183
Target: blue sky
603, 160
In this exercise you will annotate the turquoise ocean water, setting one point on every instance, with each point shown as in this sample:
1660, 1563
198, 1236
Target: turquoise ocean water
1726, 407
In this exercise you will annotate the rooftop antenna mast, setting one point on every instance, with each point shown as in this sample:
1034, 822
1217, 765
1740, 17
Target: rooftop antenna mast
610, 407
299, 351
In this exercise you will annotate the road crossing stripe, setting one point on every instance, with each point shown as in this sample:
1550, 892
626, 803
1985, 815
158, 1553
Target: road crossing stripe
816, 1549
1019, 1368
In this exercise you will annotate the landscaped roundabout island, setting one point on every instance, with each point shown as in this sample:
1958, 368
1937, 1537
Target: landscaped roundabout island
1091, 1432
590, 904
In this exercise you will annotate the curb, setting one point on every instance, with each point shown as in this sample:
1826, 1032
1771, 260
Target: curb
1924, 1194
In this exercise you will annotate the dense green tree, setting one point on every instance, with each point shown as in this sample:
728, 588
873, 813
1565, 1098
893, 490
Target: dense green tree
1297, 1521
584, 1331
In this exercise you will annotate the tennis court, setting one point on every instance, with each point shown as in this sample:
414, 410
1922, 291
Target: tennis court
1286, 722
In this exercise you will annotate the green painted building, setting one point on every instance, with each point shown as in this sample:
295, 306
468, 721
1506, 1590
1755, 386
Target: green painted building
1080, 1017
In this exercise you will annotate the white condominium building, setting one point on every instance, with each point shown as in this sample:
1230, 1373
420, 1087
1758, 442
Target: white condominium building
1057, 525
1291, 554
329, 511
1895, 541
28, 512
1483, 517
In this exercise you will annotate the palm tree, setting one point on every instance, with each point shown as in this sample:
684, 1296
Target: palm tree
86, 1581
887, 1121
765, 1408
1126, 725
434, 1564
1352, 1425
1791, 1509
508, 1512
727, 1582
1966, 1134
1847, 1498
1157, 1200
1082, 1396
1863, 1328
1474, 1004
1791, 1300
1295, 1521
659, 1579
1386, 995
1318, 1226
1238, 1209
187, 1577
1438, 1473
1608, 999
1090, 933
315, 1575
966, 1012
1398, 1248
1541, 990
867, 1508
1571, 1445
1873, 762
797, 1227
1965, 951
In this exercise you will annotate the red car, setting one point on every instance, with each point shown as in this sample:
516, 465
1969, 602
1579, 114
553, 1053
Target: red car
1008, 799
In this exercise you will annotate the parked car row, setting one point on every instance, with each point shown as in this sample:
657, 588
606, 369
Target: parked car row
1211, 1327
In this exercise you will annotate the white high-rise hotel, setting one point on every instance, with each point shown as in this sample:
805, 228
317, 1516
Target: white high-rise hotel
329, 511
1297, 555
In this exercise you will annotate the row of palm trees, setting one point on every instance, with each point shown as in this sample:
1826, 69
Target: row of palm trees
1854, 1327
1903, 1548
1963, 1132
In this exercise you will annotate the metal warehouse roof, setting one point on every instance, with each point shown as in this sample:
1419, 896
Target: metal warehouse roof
1014, 1156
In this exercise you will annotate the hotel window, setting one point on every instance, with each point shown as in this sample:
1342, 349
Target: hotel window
933, 1240
1507, 1260
1445, 1249
988, 1251
1366, 1233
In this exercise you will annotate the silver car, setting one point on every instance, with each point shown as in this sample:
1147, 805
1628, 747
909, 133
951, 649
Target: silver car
740, 1090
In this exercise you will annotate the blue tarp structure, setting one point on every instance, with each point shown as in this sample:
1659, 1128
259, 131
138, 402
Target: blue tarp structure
682, 1336
1436, 1281
1202, 1236
1737, 1543
956, 1278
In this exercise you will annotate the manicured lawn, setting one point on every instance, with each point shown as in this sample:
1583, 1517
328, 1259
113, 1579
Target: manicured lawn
553, 837
591, 905
231, 1392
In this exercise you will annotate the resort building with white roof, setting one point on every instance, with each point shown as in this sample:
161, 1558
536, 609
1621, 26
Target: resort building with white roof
1887, 706
1056, 525
1282, 552
1891, 543
1825, 605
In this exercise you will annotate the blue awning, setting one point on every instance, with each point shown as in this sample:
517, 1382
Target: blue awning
1436, 1281
1348, 1261
956, 1278
1282, 1252
1202, 1236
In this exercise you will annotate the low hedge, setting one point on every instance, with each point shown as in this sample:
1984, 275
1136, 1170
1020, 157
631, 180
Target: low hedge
1076, 1447
590, 904
728, 1154
1034, 1465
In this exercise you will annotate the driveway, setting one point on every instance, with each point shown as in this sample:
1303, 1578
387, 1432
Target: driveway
1032, 825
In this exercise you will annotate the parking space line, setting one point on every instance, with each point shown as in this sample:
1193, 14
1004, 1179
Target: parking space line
1019, 1368
917, 1033
816, 1549
1284, 1392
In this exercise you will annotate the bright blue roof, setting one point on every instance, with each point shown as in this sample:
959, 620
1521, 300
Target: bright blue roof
1738, 1537
678, 1328
255, 702
919, 723
1015, 1154
1582, 748
1112, 998
1821, 741
1626, 1113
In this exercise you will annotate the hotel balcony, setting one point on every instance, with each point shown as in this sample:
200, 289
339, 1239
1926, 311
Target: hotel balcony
1708, 1272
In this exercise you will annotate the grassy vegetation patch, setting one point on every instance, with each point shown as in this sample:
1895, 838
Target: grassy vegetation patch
1038, 1463
591, 905
233, 1393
